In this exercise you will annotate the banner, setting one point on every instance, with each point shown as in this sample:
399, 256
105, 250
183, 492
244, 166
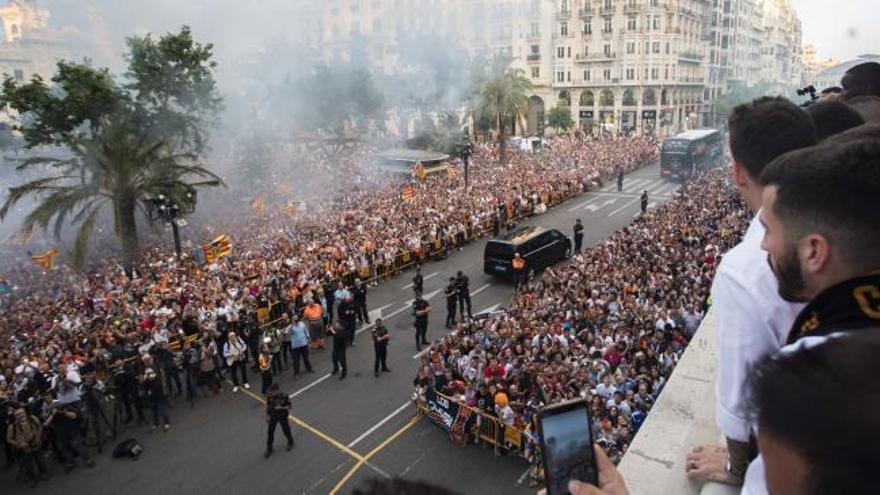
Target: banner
47, 259
450, 416
407, 193
216, 249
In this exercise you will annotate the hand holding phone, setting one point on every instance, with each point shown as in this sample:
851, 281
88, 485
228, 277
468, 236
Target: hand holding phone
567, 445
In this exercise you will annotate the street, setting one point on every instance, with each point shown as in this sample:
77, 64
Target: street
347, 430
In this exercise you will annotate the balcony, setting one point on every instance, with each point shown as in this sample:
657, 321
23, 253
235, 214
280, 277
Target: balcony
692, 80
563, 15
582, 58
531, 37
586, 13
606, 10
533, 57
691, 57
632, 8
673, 30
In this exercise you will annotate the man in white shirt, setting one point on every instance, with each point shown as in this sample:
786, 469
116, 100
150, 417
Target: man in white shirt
751, 320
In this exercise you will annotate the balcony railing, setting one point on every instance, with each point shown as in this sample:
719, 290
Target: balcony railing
632, 8
586, 13
594, 57
691, 57
533, 57
563, 15
606, 10
692, 80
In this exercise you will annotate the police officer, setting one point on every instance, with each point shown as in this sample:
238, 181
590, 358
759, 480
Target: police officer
578, 235
360, 301
519, 270
277, 410
418, 281
421, 308
644, 201
380, 346
348, 316
451, 293
464, 294
620, 180
340, 341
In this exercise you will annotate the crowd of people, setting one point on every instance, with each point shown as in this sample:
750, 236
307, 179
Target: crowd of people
138, 336
610, 327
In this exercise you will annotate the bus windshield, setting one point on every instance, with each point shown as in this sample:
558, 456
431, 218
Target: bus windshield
679, 145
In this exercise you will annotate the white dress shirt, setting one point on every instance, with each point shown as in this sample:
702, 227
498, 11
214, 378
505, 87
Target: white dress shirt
751, 321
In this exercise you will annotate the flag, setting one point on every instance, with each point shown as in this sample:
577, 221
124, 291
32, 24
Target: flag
218, 248
258, 205
47, 259
419, 170
407, 193
288, 209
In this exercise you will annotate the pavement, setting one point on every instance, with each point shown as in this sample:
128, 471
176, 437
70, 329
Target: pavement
346, 431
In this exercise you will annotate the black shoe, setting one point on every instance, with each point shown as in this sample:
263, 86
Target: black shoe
333, 372
267, 454
290, 446
425, 342
376, 374
418, 347
386, 370
342, 375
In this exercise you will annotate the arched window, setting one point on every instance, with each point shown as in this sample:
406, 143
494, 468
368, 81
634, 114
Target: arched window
628, 99
564, 98
649, 97
606, 98
664, 97
587, 99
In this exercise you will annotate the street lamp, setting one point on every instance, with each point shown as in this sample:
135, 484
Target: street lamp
165, 209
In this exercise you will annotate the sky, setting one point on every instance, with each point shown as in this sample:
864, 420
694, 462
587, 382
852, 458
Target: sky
841, 29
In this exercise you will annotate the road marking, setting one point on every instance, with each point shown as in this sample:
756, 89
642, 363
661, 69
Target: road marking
484, 310
320, 434
595, 207
426, 297
523, 477
624, 206
481, 289
379, 424
307, 387
377, 313
585, 203
373, 452
426, 277
634, 185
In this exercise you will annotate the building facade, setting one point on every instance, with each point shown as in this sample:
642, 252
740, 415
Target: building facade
29, 46
628, 65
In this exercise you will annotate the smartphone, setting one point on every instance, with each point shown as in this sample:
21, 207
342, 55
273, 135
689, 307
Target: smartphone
566, 437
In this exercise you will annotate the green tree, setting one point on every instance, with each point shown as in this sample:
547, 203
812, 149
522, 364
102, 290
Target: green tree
560, 118
502, 96
114, 155
737, 94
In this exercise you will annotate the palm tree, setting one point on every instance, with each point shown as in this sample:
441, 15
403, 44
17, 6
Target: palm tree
501, 95
120, 168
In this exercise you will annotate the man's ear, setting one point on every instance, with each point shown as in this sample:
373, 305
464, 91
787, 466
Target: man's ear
740, 176
815, 252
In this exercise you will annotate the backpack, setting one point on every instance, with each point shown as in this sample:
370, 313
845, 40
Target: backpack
128, 448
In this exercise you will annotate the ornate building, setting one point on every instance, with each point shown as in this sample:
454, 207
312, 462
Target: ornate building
29, 46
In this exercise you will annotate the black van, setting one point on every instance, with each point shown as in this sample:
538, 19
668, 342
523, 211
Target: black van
540, 248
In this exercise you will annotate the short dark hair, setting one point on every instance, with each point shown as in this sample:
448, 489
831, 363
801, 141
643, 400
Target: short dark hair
833, 117
862, 79
822, 402
765, 129
397, 486
832, 189
865, 131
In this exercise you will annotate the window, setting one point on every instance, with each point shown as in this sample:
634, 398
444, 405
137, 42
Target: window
667, 48
607, 27
655, 47
588, 28
607, 74
655, 73
631, 24
648, 21
586, 74
536, 72
560, 52
630, 74
568, 52
568, 76
656, 22
607, 50
560, 76
535, 30
563, 28
536, 49
607, 4
646, 73
630, 47
666, 72
18, 74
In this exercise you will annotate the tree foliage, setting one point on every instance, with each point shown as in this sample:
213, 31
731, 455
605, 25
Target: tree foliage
560, 118
106, 145
501, 95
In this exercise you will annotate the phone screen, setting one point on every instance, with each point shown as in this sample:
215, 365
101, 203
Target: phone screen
568, 449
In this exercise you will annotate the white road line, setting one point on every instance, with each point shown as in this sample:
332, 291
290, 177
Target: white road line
633, 185
585, 203
593, 208
481, 289
379, 424
426, 277
319, 380
624, 206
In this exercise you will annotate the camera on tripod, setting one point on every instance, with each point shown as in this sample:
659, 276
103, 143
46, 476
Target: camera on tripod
811, 91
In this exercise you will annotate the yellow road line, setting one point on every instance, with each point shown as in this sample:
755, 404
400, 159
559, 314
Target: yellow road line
373, 452
320, 434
